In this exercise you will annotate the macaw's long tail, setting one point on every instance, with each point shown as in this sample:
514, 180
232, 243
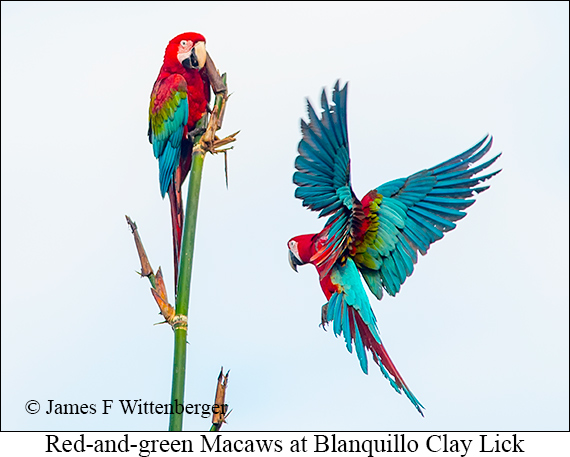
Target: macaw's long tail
381, 357
348, 321
351, 315
177, 214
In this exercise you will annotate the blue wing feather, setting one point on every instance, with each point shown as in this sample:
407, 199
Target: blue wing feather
411, 213
430, 202
168, 115
323, 176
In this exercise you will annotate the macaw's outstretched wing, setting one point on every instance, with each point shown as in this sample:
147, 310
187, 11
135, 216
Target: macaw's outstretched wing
168, 115
407, 215
351, 315
323, 177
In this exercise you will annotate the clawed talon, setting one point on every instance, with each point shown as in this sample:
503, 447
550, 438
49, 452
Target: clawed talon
324, 321
195, 133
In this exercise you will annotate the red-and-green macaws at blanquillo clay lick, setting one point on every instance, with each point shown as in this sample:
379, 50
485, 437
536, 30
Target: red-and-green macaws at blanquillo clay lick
377, 238
178, 101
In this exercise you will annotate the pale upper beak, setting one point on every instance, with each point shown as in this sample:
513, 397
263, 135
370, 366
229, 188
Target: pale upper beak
294, 261
196, 58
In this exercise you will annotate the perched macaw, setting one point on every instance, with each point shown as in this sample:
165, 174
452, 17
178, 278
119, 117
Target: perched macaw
178, 101
377, 238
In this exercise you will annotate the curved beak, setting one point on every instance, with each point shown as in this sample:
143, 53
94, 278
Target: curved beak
294, 261
196, 59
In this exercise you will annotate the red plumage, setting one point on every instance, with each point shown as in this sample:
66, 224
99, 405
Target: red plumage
197, 88
184, 56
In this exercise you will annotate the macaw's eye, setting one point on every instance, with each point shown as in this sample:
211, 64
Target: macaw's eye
183, 42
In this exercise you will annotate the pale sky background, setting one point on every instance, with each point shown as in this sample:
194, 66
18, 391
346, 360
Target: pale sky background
479, 332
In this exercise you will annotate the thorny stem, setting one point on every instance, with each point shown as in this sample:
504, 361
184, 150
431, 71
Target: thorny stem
205, 143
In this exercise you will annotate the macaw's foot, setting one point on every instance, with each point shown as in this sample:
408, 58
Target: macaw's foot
324, 320
197, 131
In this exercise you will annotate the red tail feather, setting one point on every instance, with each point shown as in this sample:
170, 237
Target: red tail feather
177, 214
378, 351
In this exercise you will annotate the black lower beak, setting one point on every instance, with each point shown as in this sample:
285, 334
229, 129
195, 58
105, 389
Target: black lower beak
191, 62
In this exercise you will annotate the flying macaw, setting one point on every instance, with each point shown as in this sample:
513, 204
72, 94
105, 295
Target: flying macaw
178, 101
377, 238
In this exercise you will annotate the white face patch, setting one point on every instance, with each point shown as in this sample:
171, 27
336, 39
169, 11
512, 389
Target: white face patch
294, 248
184, 49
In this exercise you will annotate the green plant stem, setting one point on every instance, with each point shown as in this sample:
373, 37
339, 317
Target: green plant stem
180, 321
183, 295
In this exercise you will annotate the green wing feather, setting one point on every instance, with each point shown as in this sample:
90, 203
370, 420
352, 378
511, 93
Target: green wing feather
168, 115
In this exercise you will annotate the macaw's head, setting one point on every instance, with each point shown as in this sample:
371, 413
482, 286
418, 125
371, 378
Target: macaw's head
301, 249
186, 51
